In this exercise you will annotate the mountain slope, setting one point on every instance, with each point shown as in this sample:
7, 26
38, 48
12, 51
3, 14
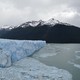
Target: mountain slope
52, 31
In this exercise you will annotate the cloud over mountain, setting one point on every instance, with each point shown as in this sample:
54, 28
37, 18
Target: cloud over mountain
14, 12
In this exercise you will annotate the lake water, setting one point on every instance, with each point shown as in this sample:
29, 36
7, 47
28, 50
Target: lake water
63, 56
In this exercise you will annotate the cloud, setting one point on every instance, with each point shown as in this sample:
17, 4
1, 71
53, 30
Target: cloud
9, 15
14, 12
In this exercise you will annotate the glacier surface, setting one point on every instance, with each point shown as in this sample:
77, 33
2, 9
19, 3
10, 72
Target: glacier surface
26, 68
14, 50
31, 69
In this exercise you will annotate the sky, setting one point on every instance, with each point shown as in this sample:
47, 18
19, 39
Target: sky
16, 12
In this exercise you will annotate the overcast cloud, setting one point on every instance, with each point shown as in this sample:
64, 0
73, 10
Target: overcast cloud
14, 12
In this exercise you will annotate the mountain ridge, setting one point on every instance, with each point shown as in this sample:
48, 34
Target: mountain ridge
52, 31
34, 23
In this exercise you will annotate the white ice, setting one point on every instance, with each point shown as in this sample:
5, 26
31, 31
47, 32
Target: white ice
31, 69
17, 49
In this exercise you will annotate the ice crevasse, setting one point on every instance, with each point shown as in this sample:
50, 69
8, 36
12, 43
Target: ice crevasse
14, 50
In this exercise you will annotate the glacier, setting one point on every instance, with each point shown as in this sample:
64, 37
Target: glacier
32, 69
23, 67
14, 50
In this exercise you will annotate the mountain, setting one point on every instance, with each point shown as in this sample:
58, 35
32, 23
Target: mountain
52, 31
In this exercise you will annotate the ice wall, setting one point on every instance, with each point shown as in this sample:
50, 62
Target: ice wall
15, 50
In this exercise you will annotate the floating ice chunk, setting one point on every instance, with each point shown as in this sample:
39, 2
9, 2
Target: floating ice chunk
77, 51
74, 64
45, 55
77, 54
77, 66
77, 57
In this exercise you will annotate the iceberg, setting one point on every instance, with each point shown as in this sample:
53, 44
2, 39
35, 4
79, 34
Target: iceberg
14, 50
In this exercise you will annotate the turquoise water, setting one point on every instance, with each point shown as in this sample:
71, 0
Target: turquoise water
67, 57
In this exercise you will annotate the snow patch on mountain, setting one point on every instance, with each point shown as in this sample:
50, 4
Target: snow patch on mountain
34, 23
51, 21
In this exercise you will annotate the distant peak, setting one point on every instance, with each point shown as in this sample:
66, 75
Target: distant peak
34, 23
51, 21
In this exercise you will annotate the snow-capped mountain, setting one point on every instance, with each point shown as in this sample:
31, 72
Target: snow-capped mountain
50, 22
32, 23
52, 31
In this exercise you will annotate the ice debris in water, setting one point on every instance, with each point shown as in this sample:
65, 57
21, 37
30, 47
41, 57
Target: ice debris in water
14, 50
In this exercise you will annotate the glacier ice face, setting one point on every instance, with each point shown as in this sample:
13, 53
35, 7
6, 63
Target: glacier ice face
17, 49
5, 59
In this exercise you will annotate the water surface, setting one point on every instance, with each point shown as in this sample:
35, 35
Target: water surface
63, 56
